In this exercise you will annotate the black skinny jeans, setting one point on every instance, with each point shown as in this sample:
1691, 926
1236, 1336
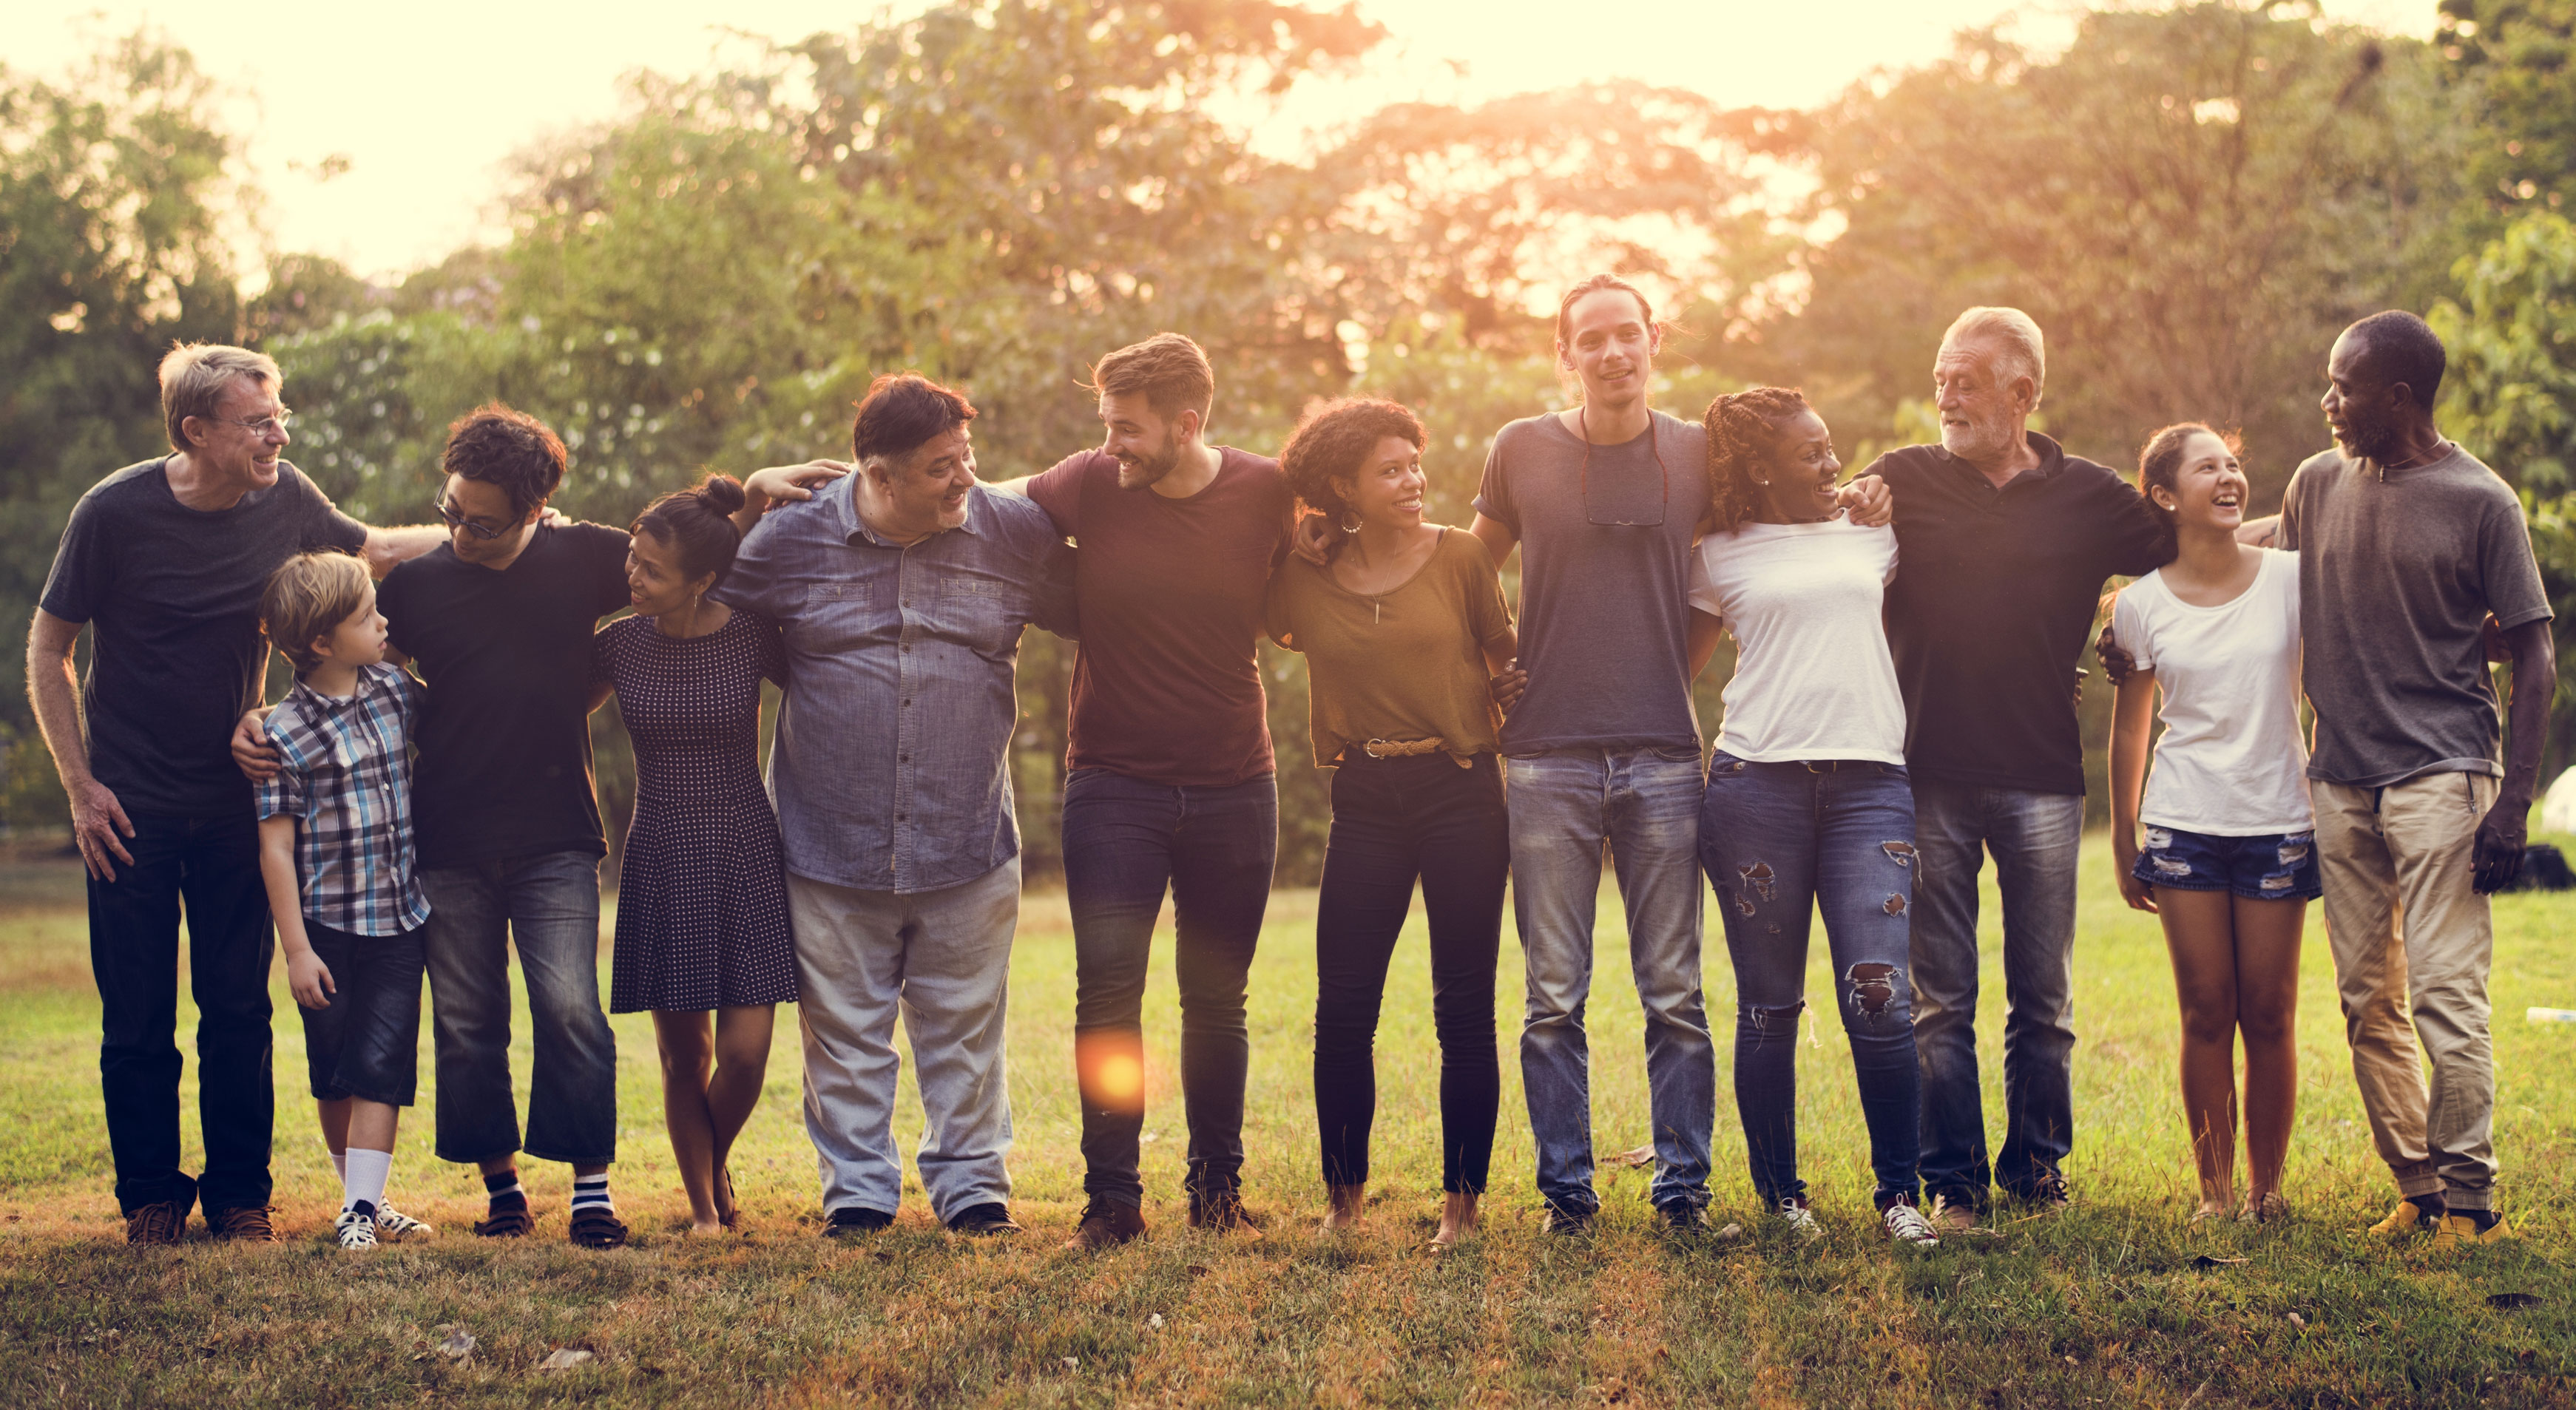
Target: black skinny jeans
1396, 820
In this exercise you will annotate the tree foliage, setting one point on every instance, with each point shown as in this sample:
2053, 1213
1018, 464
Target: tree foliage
2190, 202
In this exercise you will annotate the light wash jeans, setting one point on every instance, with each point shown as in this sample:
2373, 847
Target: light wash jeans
2033, 838
943, 959
1645, 804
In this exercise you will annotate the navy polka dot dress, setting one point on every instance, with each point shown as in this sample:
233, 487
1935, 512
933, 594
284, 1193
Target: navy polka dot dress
701, 891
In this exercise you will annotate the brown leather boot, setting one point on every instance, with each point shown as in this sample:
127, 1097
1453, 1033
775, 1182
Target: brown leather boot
246, 1224
157, 1224
1106, 1224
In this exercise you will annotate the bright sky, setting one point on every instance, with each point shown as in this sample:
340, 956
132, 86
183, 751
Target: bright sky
427, 102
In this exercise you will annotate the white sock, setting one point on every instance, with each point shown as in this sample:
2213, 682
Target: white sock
340, 1165
363, 1188
590, 1190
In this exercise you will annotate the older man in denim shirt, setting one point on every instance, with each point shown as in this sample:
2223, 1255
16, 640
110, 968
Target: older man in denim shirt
903, 590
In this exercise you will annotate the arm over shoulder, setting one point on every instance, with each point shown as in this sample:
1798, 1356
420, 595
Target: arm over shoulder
1058, 491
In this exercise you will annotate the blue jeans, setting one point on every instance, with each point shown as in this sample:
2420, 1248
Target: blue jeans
1125, 842
1645, 804
548, 905
2033, 838
1778, 841
212, 865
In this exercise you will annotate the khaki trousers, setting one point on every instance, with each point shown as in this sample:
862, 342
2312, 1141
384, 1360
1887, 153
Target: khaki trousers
2412, 939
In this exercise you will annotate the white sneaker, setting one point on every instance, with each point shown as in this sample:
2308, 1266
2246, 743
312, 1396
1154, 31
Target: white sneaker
392, 1224
354, 1230
1799, 1220
1907, 1226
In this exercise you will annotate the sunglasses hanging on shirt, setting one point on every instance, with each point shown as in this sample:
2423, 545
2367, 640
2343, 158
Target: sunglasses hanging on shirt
1625, 505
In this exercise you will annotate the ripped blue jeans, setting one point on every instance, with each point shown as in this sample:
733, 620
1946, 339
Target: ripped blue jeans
2273, 867
1778, 841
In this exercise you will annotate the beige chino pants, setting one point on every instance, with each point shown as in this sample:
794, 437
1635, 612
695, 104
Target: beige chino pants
2412, 939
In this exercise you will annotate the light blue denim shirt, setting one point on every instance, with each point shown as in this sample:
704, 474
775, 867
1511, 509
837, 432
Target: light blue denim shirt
891, 770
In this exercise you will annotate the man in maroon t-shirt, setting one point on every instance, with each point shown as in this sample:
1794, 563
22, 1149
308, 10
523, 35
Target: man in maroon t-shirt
1168, 776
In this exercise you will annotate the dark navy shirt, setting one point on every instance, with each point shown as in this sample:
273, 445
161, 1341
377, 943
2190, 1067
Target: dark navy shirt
1995, 595
172, 598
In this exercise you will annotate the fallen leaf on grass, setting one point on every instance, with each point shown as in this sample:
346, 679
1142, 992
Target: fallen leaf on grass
2204, 1262
1073, 1363
1638, 1159
2298, 1321
1728, 1234
458, 1346
2511, 1300
1155, 1321
564, 1359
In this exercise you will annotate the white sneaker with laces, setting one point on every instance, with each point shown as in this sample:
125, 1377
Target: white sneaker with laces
1799, 1220
392, 1224
353, 1230
1907, 1226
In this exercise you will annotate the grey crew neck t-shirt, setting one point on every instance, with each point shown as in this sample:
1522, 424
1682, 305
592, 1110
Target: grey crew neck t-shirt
1605, 581
2398, 570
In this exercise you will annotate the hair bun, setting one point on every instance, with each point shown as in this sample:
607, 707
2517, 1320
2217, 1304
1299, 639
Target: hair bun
721, 493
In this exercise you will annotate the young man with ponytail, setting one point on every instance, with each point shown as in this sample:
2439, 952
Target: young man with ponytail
1605, 500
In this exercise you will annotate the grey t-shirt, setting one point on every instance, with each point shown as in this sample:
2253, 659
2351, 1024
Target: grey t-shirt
2398, 570
1605, 581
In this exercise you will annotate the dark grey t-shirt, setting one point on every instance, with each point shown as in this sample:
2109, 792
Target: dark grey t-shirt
172, 598
1605, 581
2398, 570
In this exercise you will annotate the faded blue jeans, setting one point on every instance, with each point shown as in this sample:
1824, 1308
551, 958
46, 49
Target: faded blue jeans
2033, 838
1779, 840
1645, 804
547, 907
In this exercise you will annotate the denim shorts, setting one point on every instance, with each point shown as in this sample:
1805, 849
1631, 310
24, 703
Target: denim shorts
366, 1043
2276, 866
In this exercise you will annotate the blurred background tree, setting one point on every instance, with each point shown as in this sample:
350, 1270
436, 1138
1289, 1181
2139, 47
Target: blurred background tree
2191, 200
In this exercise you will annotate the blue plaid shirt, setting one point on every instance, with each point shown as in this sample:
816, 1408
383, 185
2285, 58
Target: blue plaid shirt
344, 772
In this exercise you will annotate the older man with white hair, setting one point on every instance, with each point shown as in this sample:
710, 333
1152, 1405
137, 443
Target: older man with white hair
2004, 542
164, 561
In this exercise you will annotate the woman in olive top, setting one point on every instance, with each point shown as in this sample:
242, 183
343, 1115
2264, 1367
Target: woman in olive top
1402, 630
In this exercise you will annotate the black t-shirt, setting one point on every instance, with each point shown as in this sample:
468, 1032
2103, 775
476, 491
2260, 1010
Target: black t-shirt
1994, 598
172, 598
504, 738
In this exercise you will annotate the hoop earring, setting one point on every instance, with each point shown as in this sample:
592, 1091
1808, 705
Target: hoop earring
1349, 527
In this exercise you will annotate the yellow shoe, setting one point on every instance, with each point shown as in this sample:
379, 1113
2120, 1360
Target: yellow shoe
2458, 1229
2404, 1220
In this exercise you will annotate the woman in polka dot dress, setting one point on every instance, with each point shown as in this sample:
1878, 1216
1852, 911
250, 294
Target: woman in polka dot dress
702, 895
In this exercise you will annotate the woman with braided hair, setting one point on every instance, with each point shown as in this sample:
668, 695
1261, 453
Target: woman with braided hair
1807, 802
1404, 630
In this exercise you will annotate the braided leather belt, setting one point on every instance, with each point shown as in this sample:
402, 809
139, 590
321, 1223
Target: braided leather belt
1401, 748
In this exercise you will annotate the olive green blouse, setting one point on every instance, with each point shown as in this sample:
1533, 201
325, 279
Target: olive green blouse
1404, 664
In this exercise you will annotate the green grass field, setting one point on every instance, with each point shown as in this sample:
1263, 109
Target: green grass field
2103, 1305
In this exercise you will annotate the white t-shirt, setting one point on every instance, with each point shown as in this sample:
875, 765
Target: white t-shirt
2231, 762
1813, 679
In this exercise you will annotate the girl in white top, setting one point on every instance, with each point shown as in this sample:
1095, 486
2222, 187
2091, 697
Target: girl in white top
2229, 862
1807, 804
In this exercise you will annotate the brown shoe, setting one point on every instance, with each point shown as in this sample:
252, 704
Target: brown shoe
1106, 1224
247, 1224
508, 1223
1223, 1211
157, 1224
594, 1227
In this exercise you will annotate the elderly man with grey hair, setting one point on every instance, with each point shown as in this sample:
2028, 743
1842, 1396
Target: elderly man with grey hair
2003, 544
164, 562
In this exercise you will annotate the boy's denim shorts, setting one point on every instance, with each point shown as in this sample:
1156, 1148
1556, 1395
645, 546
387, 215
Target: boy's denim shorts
367, 1042
2276, 866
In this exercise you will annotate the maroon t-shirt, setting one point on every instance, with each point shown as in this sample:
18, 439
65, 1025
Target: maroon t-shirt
1166, 686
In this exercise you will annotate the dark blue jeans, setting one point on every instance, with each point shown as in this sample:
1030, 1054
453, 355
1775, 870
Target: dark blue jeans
1779, 840
212, 865
1126, 842
1396, 821
548, 905
2033, 838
